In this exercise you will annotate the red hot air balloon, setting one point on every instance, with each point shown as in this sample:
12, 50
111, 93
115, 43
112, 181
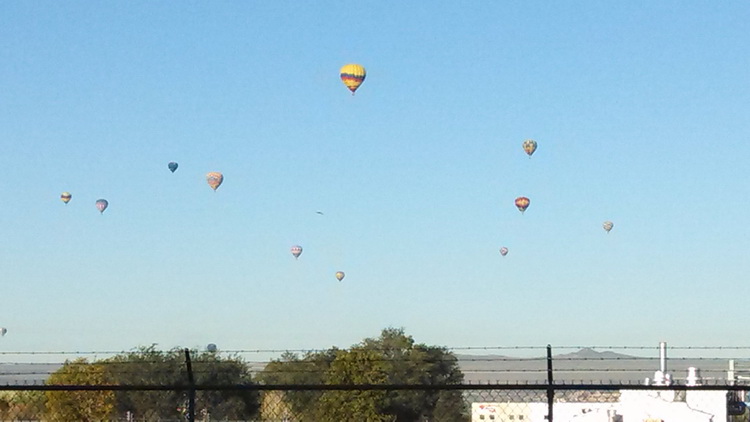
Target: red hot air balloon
522, 203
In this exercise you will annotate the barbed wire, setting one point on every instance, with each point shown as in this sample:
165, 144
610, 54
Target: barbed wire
303, 361
314, 350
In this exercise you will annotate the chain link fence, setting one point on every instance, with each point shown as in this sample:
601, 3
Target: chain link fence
298, 403
180, 385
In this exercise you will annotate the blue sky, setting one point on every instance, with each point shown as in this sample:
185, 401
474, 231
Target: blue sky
640, 111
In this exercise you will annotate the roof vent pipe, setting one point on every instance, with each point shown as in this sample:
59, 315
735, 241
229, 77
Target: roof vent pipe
663, 357
693, 377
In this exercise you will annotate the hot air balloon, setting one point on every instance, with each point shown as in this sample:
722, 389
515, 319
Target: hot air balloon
340, 275
529, 146
296, 251
608, 225
3, 331
65, 197
172, 166
101, 205
214, 179
353, 75
211, 348
503, 251
522, 203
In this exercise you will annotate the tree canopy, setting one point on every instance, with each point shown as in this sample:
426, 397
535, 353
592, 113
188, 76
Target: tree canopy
84, 406
393, 358
390, 360
147, 366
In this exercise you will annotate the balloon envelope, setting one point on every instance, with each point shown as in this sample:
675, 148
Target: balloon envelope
529, 146
296, 250
503, 251
340, 275
608, 226
102, 205
214, 179
522, 203
352, 75
3, 331
65, 197
212, 348
172, 166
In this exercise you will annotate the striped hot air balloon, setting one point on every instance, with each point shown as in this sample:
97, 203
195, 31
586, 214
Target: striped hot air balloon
607, 225
522, 203
65, 197
352, 75
214, 179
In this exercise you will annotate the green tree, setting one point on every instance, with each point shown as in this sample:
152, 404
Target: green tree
213, 369
362, 366
392, 358
419, 364
22, 405
84, 406
148, 366
292, 369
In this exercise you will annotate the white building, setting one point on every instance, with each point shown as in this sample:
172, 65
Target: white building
537, 412
624, 406
633, 406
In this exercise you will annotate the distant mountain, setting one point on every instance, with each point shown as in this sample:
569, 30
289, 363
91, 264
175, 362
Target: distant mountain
589, 353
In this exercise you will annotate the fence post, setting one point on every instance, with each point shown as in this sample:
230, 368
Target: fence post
191, 390
550, 387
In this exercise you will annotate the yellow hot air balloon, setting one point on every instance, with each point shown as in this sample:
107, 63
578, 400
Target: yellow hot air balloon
214, 179
340, 275
353, 75
65, 197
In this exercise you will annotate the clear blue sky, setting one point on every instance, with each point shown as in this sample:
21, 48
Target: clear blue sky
640, 110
